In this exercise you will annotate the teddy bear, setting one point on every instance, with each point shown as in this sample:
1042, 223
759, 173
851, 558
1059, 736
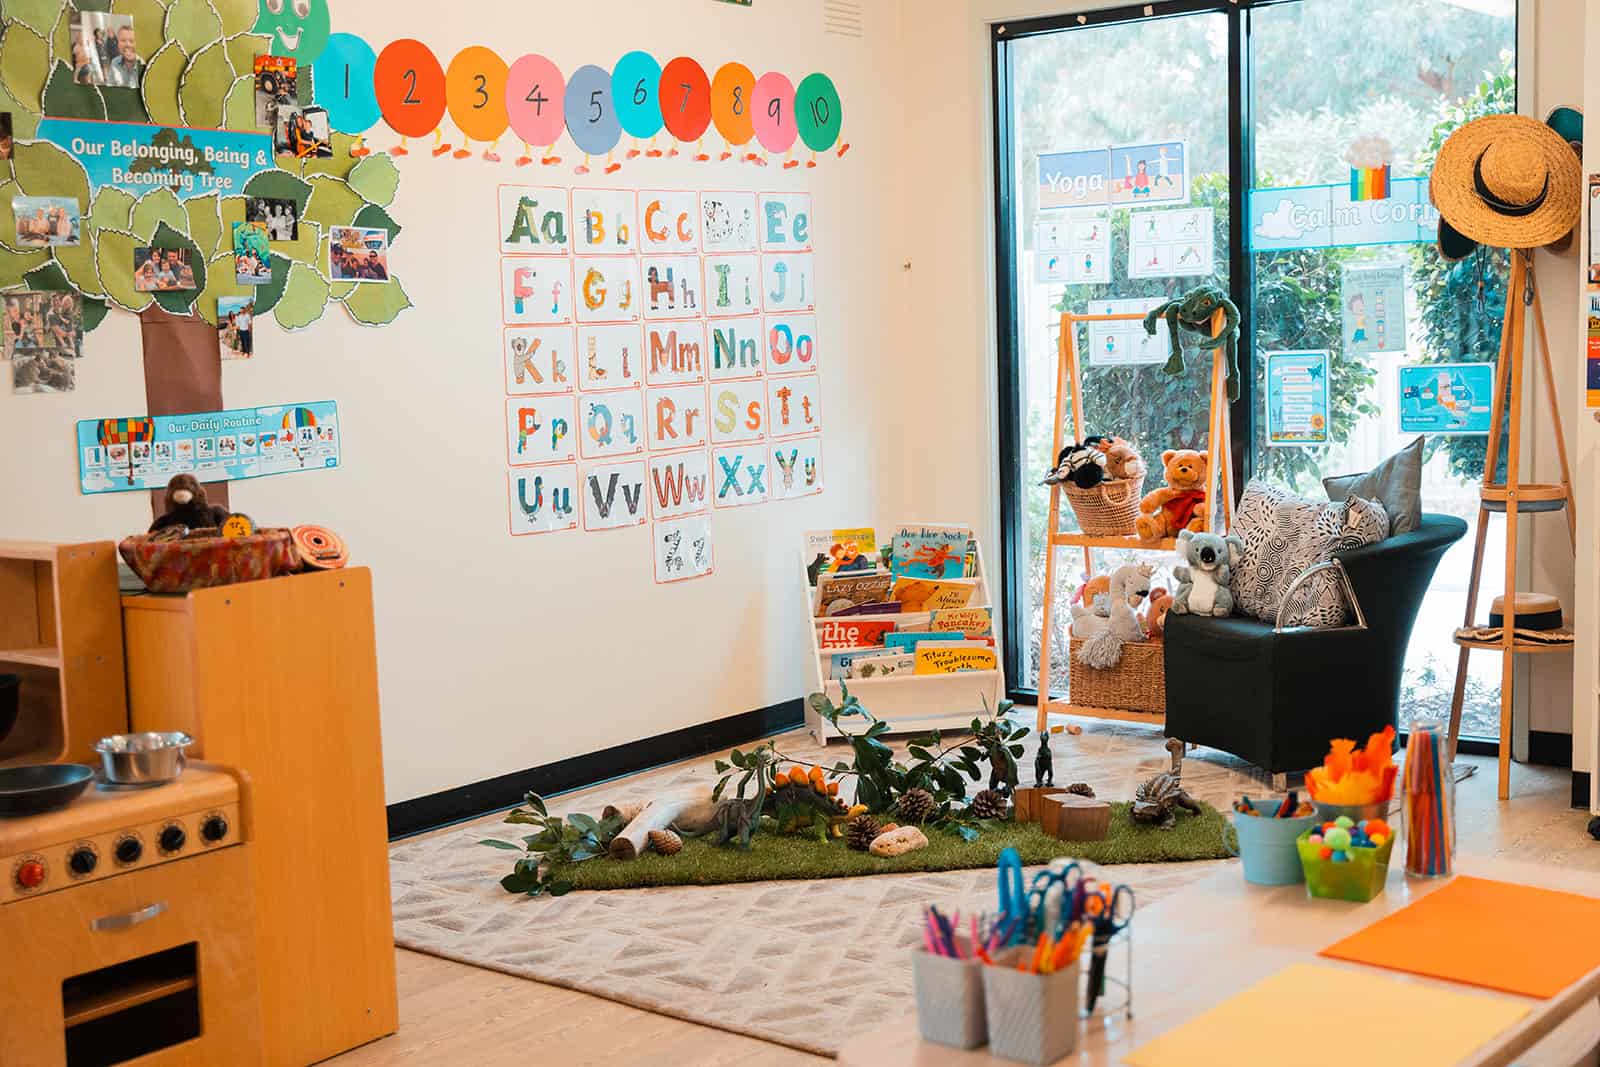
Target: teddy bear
1155, 614
186, 506
1181, 503
1123, 461
1207, 567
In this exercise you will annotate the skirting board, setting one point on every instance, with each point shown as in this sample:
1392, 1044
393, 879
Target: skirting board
415, 816
1580, 789
1550, 748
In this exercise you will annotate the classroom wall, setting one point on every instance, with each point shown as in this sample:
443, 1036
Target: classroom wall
500, 653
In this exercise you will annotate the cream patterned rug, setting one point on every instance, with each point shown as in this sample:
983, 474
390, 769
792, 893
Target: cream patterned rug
808, 964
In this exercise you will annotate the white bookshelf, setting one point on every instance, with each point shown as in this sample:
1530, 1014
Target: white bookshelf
911, 703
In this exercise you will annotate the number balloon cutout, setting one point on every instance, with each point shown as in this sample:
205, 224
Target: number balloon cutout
774, 112
685, 99
731, 91
534, 100
818, 112
475, 91
636, 87
591, 113
343, 75
409, 84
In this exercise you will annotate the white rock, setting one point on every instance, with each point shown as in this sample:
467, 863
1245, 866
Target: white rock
899, 841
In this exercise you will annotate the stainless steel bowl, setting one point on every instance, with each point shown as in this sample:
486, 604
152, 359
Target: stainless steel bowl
142, 759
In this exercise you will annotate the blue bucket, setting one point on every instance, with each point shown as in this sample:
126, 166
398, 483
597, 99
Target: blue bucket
1267, 845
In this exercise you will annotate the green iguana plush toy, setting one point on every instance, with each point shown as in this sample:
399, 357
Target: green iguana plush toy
1192, 311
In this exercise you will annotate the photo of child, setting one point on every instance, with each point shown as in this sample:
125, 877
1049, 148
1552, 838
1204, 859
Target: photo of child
275, 89
359, 254
303, 133
43, 221
162, 270
278, 216
235, 315
35, 321
103, 51
252, 256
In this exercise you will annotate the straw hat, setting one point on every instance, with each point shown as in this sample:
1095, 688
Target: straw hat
1507, 181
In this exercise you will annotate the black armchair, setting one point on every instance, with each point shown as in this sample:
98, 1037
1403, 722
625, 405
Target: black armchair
1276, 697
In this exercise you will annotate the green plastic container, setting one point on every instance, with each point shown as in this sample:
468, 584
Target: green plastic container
1359, 880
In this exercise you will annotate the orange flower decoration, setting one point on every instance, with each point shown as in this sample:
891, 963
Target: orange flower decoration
1352, 776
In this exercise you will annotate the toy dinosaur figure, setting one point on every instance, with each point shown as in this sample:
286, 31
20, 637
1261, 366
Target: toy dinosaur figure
1158, 800
1192, 311
801, 801
1044, 772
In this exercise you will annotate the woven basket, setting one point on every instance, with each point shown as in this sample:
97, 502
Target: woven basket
1108, 509
1138, 683
199, 562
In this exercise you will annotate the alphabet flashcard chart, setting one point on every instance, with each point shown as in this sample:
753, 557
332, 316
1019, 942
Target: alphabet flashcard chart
660, 357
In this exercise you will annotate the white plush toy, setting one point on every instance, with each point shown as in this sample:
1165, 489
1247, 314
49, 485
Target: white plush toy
1104, 637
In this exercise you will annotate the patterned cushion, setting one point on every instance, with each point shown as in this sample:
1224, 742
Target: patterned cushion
1283, 535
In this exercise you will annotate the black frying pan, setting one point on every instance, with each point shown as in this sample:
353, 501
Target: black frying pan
41, 787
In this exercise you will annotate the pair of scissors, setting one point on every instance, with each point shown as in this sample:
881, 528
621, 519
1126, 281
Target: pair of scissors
1012, 899
1051, 900
1109, 910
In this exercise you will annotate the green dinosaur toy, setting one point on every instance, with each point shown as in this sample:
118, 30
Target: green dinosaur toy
1192, 311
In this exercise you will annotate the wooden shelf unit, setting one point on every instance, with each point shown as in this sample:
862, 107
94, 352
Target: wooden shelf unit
1219, 489
61, 632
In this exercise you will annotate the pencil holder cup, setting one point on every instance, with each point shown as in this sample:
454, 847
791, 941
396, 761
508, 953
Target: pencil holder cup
950, 1008
1033, 1018
1266, 845
1360, 879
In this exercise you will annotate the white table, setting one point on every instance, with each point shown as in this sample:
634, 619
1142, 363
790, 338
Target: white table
1209, 941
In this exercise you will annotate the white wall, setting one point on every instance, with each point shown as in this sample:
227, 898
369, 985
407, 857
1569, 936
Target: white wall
1586, 666
497, 653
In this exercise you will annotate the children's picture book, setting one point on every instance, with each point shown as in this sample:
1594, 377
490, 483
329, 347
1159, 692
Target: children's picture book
840, 551
836, 592
926, 594
888, 607
908, 642
835, 634
970, 621
930, 551
883, 665
951, 658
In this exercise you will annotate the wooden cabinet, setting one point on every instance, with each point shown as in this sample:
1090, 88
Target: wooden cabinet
280, 678
61, 633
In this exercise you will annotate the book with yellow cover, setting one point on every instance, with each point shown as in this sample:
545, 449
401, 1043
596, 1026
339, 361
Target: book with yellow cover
951, 658
974, 622
933, 594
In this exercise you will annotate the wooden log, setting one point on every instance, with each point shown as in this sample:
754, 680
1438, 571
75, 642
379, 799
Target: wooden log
1069, 817
658, 814
1030, 802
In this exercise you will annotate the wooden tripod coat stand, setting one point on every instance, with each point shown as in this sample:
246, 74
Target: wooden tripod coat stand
1522, 292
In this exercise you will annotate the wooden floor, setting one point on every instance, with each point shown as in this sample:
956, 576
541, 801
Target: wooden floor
452, 1013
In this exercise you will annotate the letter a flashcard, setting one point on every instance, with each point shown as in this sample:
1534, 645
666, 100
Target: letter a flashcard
534, 221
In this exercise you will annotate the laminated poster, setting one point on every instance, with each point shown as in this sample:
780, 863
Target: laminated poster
1449, 398
1125, 343
683, 548
1073, 250
1592, 362
144, 452
1297, 398
1373, 304
1594, 234
1171, 244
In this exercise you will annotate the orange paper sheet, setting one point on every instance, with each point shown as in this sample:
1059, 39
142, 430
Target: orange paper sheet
1396, 1024
1498, 935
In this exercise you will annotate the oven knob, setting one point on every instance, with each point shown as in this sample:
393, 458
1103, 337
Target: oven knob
214, 829
129, 850
82, 861
173, 838
30, 875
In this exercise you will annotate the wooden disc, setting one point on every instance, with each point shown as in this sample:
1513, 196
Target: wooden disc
319, 548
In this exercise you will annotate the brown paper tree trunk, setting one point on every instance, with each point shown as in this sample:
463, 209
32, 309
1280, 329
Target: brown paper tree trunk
182, 375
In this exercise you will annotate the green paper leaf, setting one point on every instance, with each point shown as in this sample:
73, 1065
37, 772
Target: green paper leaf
305, 247
155, 207
45, 170
14, 266
376, 178
180, 302
242, 51
205, 224
237, 15
267, 296
112, 209
221, 280
231, 210
160, 85
93, 5
239, 109
38, 15
193, 24
280, 185
125, 105
24, 64
24, 123
305, 297
47, 278
61, 37
115, 265
78, 263
94, 313
66, 98
332, 203
149, 17
205, 86
338, 165
377, 303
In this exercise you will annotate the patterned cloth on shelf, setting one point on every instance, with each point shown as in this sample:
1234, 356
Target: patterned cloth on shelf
1283, 535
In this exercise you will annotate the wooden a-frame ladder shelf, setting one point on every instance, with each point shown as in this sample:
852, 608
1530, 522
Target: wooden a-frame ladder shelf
1219, 486
1512, 498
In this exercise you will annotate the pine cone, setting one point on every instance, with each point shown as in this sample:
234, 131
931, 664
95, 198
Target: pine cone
1082, 789
987, 804
666, 842
915, 805
860, 831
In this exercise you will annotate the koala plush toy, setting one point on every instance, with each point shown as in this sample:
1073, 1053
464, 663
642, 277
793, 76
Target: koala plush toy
1205, 568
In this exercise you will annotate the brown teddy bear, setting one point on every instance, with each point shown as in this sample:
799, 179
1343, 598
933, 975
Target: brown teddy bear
187, 506
1122, 459
1181, 503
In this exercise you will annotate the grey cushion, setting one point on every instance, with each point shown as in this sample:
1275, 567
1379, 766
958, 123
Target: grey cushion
1396, 483
1283, 536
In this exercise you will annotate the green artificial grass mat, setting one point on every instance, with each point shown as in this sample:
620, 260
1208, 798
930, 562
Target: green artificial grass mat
775, 856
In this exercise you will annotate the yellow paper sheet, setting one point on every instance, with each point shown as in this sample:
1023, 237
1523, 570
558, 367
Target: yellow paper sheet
1393, 1024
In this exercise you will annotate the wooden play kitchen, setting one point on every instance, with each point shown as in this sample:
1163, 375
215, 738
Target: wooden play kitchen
243, 906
